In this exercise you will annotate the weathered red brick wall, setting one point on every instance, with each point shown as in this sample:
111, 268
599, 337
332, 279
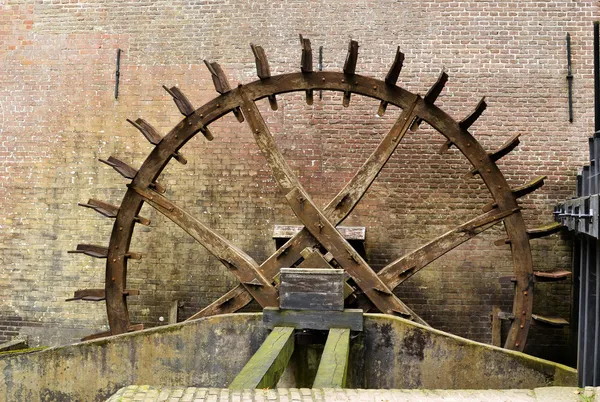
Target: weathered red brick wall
58, 115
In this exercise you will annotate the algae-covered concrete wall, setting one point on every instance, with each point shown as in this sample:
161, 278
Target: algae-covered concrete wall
390, 353
396, 353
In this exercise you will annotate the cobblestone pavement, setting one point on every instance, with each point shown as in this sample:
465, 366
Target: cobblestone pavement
145, 393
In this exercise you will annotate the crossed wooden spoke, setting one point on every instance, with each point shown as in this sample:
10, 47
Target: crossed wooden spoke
256, 282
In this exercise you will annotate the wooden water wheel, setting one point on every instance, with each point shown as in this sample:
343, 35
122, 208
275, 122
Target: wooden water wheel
319, 232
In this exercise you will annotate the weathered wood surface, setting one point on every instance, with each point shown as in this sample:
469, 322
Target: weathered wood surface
349, 232
551, 276
319, 320
153, 137
98, 294
333, 367
103, 208
555, 321
403, 268
238, 262
311, 289
392, 76
181, 101
265, 367
468, 121
431, 96
306, 59
351, 58
314, 259
504, 150
496, 327
520, 191
262, 63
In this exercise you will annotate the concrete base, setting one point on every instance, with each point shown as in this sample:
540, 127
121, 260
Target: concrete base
390, 353
146, 393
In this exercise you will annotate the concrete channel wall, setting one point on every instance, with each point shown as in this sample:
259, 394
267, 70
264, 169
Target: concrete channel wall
389, 353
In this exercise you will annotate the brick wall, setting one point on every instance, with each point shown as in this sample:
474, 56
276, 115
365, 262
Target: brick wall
58, 115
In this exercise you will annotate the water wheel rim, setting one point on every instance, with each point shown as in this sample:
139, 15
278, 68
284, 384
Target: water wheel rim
159, 157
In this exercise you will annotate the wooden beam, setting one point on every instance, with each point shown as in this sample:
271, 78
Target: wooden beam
403, 268
333, 367
311, 289
239, 263
318, 320
496, 327
289, 231
181, 101
432, 94
265, 367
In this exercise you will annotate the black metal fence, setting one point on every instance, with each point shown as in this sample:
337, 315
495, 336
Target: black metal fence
581, 216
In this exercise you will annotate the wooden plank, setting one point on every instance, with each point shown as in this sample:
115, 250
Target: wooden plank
181, 101
504, 150
556, 321
544, 231
349, 232
351, 58
110, 211
262, 63
311, 289
306, 60
496, 327
549, 276
333, 367
432, 94
314, 259
265, 367
474, 115
520, 191
392, 76
239, 263
318, 320
403, 268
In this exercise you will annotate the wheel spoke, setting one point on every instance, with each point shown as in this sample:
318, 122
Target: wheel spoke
403, 268
238, 262
346, 256
336, 211
314, 220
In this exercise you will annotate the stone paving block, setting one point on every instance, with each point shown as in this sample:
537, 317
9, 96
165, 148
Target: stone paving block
190, 394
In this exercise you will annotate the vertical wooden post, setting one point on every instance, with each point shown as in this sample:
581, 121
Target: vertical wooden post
496, 327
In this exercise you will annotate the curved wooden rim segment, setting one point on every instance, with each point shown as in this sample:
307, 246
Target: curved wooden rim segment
116, 268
